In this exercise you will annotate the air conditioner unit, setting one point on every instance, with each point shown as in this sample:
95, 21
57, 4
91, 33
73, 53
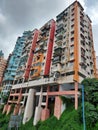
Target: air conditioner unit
56, 74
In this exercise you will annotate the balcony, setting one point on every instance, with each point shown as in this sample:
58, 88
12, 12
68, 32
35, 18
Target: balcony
60, 37
58, 51
37, 49
45, 27
59, 42
57, 59
83, 64
60, 17
35, 72
37, 64
83, 43
41, 49
60, 28
81, 23
37, 82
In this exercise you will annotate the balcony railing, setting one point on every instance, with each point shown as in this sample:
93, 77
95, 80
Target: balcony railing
57, 59
58, 51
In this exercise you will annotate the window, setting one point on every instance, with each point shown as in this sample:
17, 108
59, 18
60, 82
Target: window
81, 75
70, 73
82, 30
82, 52
88, 73
72, 14
35, 71
38, 57
63, 57
72, 26
64, 43
72, 32
64, 37
83, 66
72, 9
81, 23
72, 39
42, 64
83, 42
83, 60
82, 36
32, 72
72, 20
70, 64
62, 66
66, 14
71, 55
65, 25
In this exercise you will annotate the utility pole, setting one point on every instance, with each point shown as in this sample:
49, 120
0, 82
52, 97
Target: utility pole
83, 109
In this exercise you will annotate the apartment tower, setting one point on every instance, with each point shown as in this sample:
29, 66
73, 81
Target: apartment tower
13, 63
3, 63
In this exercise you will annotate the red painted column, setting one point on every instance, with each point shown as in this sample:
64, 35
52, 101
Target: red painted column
50, 48
31, 54
45, 114
16, 109
57, 108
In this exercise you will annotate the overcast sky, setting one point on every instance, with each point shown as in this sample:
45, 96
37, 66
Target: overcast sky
16, 16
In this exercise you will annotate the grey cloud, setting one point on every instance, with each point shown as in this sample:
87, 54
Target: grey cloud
23, 15
95, 37
91, 3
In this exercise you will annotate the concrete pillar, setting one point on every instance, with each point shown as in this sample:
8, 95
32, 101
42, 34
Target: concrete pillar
5, 108
38, 109
40, 97
37, 115
76, 95
57, 108
29, 106
16, 109
45, 114
8, 109
21, 110
24, 99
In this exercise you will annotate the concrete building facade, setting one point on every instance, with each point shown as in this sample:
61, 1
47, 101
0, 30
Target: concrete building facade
24, 67
63, 56
13, 63
74, 54
3, 63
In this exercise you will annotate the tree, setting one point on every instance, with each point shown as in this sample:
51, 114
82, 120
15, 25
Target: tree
91, 102
5, 97
91, 90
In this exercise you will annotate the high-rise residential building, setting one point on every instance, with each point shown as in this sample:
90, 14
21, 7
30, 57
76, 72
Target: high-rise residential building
13, 63
3, 63
63, 56
74, 56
